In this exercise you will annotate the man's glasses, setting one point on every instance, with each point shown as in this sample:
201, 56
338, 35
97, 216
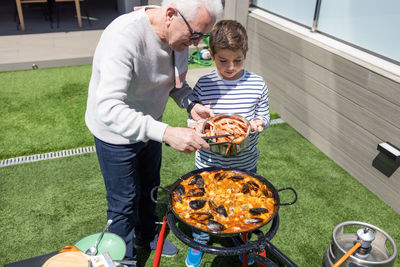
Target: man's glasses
193, 35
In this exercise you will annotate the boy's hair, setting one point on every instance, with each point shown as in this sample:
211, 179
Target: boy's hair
228, 34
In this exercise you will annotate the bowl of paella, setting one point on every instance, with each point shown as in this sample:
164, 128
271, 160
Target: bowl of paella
235, 130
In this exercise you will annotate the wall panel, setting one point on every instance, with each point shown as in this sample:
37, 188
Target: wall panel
340, 104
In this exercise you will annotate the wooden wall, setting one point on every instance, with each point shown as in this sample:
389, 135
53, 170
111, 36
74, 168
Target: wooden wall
343, 106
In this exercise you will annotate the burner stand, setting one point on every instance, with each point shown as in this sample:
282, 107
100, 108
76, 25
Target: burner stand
252, 249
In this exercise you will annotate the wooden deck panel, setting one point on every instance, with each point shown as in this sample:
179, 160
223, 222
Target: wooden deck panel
342, 107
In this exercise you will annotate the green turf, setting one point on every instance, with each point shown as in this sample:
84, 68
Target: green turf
46, 205
49, 204
44, 110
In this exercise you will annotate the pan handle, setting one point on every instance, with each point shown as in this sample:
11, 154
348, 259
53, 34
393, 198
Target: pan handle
152, 195
295, 196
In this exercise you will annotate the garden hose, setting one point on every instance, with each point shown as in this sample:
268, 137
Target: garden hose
195, 56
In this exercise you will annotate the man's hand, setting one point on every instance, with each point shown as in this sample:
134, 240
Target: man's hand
197, 126
199, 112
257, 125
184, 139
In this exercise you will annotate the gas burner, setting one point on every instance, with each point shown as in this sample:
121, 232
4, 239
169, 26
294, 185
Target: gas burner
252, 249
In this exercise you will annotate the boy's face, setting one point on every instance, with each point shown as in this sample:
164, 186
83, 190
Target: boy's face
229, 63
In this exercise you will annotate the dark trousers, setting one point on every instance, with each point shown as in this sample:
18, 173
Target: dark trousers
130, 172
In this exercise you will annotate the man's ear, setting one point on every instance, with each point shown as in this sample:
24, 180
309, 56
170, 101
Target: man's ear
170, 13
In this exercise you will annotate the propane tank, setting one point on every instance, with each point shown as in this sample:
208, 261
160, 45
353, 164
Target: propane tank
372, 252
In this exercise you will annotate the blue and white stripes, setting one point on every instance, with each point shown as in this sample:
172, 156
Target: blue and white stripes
246, 96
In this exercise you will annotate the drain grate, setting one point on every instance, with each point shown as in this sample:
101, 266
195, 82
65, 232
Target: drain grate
277, 121
50, 155
66, 153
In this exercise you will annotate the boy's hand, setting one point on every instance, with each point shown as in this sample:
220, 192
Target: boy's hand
257, 125
199, 112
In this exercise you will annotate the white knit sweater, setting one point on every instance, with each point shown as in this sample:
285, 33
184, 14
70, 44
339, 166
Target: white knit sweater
132, 78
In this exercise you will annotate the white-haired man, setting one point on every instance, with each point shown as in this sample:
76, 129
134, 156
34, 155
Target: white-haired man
133, 75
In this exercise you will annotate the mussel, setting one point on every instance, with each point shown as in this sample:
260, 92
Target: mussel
258, 211
197, 180
194, 179
177, 197
253, 185
268, 193
236, 178
245, 189
197, 204
196, 192
220, 176
215, 226
180, 190
201, 216
219, 209
253, 220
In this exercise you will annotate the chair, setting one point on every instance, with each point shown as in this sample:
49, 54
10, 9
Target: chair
77, 8
21, 15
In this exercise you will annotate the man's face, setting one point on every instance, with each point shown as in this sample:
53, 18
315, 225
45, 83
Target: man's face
179, 34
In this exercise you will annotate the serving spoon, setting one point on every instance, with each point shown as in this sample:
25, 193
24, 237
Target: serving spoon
92, 251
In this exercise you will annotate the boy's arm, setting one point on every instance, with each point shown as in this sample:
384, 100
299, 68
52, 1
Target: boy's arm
262, 117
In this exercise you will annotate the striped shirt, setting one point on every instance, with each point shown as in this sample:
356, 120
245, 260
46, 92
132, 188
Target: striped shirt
246, 96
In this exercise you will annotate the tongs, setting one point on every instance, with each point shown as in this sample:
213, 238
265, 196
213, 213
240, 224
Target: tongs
216, 136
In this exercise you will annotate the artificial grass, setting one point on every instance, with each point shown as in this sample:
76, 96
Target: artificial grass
43, 110
46, 205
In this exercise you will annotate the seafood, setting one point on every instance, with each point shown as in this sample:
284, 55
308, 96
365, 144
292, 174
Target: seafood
258, 211
227, 202
197, 180
197, 204
236, 177
215, 226
253, 185
236, 126
220, 176
253, 220
201, 216
180, 189
219, 209
196, 192
179, 192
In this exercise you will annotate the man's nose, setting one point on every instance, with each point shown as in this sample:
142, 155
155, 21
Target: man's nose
195, 42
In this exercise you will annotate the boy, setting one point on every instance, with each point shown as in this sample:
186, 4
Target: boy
230, 89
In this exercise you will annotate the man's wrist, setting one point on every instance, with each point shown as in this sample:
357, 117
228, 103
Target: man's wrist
191, 105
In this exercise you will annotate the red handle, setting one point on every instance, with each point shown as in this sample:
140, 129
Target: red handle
160, 244
244, 256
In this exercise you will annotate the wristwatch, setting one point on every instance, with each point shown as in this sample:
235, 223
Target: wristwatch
191, 105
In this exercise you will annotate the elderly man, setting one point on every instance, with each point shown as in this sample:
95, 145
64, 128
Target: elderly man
134, 73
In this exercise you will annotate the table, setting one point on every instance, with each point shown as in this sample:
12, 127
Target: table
37, 261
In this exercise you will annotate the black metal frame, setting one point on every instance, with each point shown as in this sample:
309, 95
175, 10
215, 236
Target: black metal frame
251, 249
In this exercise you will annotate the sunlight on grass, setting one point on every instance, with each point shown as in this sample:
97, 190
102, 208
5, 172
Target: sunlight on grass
64, 200
49, 204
